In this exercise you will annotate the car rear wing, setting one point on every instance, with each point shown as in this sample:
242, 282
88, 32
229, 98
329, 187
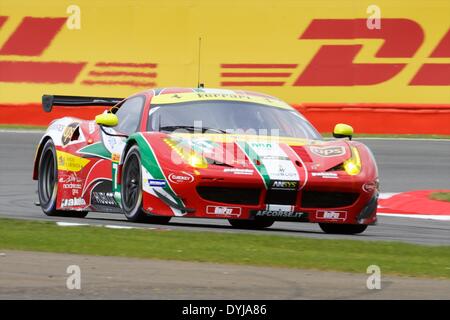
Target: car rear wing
48, 101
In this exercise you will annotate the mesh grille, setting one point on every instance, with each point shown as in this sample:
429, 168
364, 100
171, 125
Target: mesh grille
247, 196
286, 197
315, 199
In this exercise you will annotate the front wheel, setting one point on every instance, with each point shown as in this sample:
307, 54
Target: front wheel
250, 224
335, 228
131, 186
131, 190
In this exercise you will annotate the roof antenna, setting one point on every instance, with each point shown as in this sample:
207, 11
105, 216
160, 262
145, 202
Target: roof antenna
199, 85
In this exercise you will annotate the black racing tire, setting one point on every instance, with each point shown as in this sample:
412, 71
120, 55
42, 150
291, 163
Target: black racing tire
335, 228
250, 224
131, 190
48, 184
131, 186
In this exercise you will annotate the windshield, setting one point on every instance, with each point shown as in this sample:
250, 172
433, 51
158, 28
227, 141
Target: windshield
230, 117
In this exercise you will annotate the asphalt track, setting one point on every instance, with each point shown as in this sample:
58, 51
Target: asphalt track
39, 275
404, 165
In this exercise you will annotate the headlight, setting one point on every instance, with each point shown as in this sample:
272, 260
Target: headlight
188, 155
196, 160
353, 165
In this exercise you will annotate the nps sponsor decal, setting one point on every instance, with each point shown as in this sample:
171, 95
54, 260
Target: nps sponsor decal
182, 177
332, 151
70, 178
115, 157
274, 162
226, 211
239, 171
222, 96
331, 215
56, 126
72, 185
279, 211
68, 133
284, 185
279, 214
325, 175
156, 183
74, 202
69, 162
71, 182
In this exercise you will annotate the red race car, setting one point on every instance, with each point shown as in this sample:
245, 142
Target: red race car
206, 153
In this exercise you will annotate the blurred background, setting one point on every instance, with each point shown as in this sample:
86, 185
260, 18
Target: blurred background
383, 66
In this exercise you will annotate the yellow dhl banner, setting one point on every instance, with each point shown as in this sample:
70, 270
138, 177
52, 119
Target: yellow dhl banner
300, 51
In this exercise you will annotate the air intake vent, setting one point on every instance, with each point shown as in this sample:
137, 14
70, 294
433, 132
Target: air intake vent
248, 196
315, 199
286, 197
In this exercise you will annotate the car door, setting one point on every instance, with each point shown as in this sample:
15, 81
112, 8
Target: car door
114, 139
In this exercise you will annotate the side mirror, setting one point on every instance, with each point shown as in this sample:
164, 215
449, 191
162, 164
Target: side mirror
342, 130
107, 120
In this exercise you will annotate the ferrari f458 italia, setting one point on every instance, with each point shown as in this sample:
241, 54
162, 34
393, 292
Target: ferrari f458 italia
204, 153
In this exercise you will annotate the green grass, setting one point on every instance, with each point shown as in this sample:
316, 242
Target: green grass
244, 249
441, 196
21, 127
393, 136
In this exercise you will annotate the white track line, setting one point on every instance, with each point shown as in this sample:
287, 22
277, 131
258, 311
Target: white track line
71, 224
113, 226
386, 195
417, 216
109, 226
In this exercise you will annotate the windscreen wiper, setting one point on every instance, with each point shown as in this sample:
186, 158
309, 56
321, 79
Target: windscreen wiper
190, 128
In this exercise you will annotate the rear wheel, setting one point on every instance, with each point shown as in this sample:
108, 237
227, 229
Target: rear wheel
48, 184
131, 190
250, 224
335, 228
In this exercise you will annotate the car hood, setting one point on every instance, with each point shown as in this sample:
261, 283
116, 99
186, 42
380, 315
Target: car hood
230, 150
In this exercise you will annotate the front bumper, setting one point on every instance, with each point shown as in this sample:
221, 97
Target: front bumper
342, 200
